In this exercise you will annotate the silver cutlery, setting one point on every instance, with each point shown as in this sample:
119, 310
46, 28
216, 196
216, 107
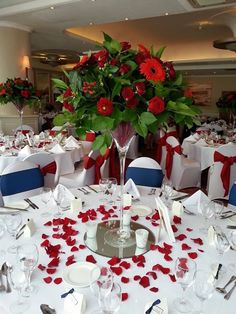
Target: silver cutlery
92, 189
188, 212
223, 290
218, 271
33, 205
178, 198
2, 287
83, 190
4, 270
152, 191
231, 227
14, 208
225, 216
228, 295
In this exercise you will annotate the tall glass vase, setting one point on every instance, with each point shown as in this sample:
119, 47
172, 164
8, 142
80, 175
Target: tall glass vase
122, 136
20, 106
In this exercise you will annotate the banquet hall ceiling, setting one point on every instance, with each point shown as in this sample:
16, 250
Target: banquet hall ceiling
77, 25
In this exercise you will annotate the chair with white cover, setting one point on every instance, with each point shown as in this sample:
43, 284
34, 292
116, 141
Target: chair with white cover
25, 129
145, 171
48, 166
181, 171
222, 174
20, 180
82, 176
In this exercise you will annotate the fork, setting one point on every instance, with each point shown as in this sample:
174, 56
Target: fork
2, 287
82, 190
152, 192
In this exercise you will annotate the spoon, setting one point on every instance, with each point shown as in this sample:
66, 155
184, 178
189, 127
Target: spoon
47, 309
223, 290
4, 270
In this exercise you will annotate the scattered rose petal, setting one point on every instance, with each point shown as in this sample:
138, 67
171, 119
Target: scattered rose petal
168, 258
198, 241
54, 262
91, 259
45, 236
152, 274
144, 282
185, 247
74, 249
124, 296
125, 264
45, 243
58, 280
141, 264
189, 229
51, 271
153, 247
176, 220
41, 267
82, 246
137, 277
174, 228
124, 279
114, 260
117, 270
192, 255
48, 279
181, 237
164, 270
135, 218
154, 289
49, 223
172, 277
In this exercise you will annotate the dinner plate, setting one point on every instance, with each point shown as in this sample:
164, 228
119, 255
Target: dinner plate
78, 274
141, 210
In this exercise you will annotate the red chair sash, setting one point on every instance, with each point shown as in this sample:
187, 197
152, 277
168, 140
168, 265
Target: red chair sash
225, 172
90, 136
98, 164
162, 142
88, 162
170, 151
49, 168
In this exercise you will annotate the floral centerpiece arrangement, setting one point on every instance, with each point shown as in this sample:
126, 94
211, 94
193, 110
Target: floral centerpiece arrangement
227, 102
120, 84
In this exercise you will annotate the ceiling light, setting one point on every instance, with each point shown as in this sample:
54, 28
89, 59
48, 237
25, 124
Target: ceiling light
126, 18
90, 23
52, 8
166, 13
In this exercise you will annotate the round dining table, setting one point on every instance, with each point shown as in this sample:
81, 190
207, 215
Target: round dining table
143, 278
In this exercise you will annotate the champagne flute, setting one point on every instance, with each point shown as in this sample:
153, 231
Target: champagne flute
18, 281
45, 197
28, 257
13, 222
185, 270
204, 287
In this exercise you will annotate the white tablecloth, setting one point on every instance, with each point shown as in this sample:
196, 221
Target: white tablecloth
138, 296
65, 159
203, 154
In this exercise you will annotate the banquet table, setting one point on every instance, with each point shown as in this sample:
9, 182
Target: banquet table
138, 296
66, 159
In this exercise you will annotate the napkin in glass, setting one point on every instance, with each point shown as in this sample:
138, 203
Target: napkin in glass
57, 149
193, 203
26, 151
131, 188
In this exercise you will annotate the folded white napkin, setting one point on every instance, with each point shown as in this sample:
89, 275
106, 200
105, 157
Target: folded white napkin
72, 143
131, 188
60, 188
71, 139
195, 201
21, 204
57, 149
75, 303
191, 138
26, 151
42, 135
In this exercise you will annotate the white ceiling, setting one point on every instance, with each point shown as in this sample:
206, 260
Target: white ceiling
187, 32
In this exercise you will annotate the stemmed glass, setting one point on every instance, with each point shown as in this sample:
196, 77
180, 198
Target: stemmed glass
45, 197
101, 285
167, 191
13, 222
207, 213
185, 270
112, 185
222, 245
28, 255
103, 185
58, 195
217, 208
204, 286
18, 281
111, 302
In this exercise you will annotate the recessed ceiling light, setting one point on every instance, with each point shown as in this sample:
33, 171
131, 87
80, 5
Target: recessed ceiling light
52, 8
126, 18
90, 23
166, 13
93, 0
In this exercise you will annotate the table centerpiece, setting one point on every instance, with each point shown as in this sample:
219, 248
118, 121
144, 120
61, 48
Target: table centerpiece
119, 91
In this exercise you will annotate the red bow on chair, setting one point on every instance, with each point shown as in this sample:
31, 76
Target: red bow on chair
88, 162
225, 172
98, 164
49, 168
170, 151
90, 136
162, 142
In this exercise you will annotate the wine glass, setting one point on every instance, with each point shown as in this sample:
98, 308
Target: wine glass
207, 213
217, 208
45, 197
28, 255
101, 281
185, 269
103, 185
204, 287
222, 245
57, 196
167, 191
111, 302
13, 222
112, 185
18, 282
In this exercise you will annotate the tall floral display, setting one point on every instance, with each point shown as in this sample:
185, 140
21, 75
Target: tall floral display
20, 92
119, 91
227, 106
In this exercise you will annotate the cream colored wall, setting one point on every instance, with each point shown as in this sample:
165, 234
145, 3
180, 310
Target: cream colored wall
218, 84
14, 45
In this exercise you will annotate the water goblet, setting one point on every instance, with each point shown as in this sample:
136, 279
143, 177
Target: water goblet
103, 185
204, 287
28, 255
167, 191
18, 282
207, 213
185, 270
112, 185
13, 222
45, 197
111, 302
217, 208
222, 245
101, 281
57, 196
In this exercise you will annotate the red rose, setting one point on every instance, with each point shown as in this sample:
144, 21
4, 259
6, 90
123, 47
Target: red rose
156, 105
140, 88
125, 45
132, 103
38, 93
114, 61
105, 106
188, 93
230, 97
127, 93
3, 91
101, 57
124, 68
170, 70
25, 93
68, 107
81, 62
68, 92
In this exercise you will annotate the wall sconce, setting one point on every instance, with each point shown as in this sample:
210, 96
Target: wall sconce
26, 65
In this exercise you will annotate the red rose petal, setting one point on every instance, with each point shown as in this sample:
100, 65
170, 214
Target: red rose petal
185, 247
74, 249
49, 223
124, 279
167, 246
82, 246
135, 218
152, 274
91, 259
193, 255
54, 262
174, 228
189, 229
154, 289
181, 237
41, 267
51, 271
45, 236
58, 280
125, 264
144, 282
172, 277
114, 260
70, 242
168, 258
140, 264
117, 270
137, 277
48, 279
159, 267
198, 241
177, 220
124, 296
45, 243
153, 247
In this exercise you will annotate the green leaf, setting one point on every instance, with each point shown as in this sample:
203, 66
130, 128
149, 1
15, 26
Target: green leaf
98, 142
171, 105
102, 123
115, 45
59, 119
148, 118
160, 52
129, 115
141, 129
132, 64
103, 149
116, 90
179, 79
59, 83
107, 37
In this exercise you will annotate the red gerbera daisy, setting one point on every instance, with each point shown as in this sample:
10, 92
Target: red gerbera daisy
152, 69
105, 106
156, 105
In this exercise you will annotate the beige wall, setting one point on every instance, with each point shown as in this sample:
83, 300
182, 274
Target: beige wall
218, 84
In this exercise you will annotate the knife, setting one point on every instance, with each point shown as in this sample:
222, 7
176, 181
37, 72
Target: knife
7, 212
34, 206
91, 188
231, 227
19, 231
179, 198
14, 208
19, 235
218, 271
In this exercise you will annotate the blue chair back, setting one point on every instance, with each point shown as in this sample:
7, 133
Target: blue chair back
145, 171
232, 195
